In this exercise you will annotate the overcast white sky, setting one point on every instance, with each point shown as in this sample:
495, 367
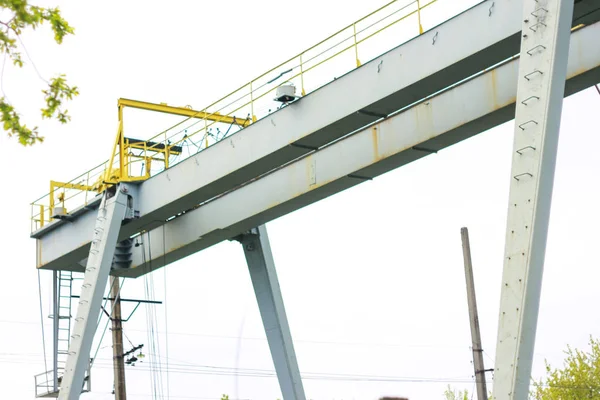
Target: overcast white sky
372, 278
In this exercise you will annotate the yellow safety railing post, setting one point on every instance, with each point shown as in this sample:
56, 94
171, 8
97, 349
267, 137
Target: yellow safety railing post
252, 101
41, 215
121, 145
148, 166
146, 160
419, 16
51, 199
87, 183
356, 46
166, 152
303, 92
206, 132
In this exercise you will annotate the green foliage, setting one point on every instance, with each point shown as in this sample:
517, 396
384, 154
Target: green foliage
24, 16
12, 124
578, 379
225, 397
451, 394
57, 92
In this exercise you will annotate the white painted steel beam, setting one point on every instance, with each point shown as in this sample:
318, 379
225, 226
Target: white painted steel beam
108, 222
261, 265
466, 44
457, 114
541, 84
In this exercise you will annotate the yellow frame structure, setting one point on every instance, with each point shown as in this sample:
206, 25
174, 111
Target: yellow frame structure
157, 151
151, 151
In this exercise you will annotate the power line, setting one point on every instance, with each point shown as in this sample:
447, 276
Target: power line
42, 320
166, 315
371, 344
329, 376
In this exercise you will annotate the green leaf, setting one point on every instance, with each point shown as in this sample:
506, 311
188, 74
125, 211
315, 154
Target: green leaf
21, 16
57, 92
12, 124
579, 378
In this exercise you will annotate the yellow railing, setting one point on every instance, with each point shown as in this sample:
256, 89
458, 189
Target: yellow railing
334, 56
62, 194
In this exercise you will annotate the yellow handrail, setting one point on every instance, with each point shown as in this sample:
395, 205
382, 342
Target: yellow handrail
220, 113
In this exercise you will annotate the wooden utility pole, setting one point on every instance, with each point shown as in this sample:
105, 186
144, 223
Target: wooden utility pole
473, 318
117, 338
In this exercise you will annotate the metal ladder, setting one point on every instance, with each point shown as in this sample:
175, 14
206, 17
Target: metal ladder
65, 291
61, 333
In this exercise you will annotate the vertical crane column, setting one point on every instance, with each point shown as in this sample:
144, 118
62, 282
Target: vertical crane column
542, 73
270, 302
108, 223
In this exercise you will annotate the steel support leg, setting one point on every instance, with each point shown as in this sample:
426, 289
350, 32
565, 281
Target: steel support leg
542, 73
266, 287
108, 223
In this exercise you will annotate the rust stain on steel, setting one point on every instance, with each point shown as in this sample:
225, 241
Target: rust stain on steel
497, 104
494, 87
39, 253
375, 141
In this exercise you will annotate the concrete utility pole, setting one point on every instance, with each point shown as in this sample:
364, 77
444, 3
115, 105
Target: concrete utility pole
473, 318
117, 338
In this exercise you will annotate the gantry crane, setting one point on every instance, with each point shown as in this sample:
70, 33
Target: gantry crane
443, 86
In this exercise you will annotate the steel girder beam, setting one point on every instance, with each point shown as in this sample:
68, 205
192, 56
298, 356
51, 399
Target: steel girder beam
476, 105
466, 44
443, 120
